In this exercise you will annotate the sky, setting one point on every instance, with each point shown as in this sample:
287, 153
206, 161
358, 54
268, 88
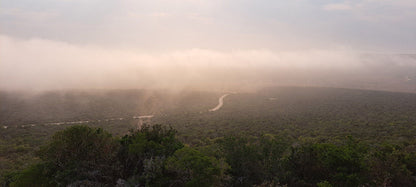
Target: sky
69, 43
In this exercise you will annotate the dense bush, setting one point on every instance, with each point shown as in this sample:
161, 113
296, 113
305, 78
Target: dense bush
75, 154
192, 168
152, 156
340, 165
143, 153
295, 114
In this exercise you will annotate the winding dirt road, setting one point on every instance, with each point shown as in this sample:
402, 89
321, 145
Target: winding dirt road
142, 119
220, 103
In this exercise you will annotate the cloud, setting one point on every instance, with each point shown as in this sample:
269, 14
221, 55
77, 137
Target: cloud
215, 24
21, 14
45, 64
159, 14
377, 10
337, 7
42, 64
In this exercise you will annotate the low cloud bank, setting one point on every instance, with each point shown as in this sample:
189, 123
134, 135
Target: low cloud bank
38, 64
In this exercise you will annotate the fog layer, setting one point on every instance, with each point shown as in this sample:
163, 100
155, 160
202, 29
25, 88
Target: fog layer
39, 64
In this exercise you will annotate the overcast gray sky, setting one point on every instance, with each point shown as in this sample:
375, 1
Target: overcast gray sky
50, 42
372, 25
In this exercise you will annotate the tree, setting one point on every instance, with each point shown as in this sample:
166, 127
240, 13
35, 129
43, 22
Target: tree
192, 168
341, 165
81, 153
245, 160
33, 176
144, 151
390, 166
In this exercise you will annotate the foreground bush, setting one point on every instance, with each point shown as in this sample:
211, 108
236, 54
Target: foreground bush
192, 168
75, 154
143, 153
153, 156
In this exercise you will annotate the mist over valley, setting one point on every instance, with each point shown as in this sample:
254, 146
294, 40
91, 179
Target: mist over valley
208, 93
